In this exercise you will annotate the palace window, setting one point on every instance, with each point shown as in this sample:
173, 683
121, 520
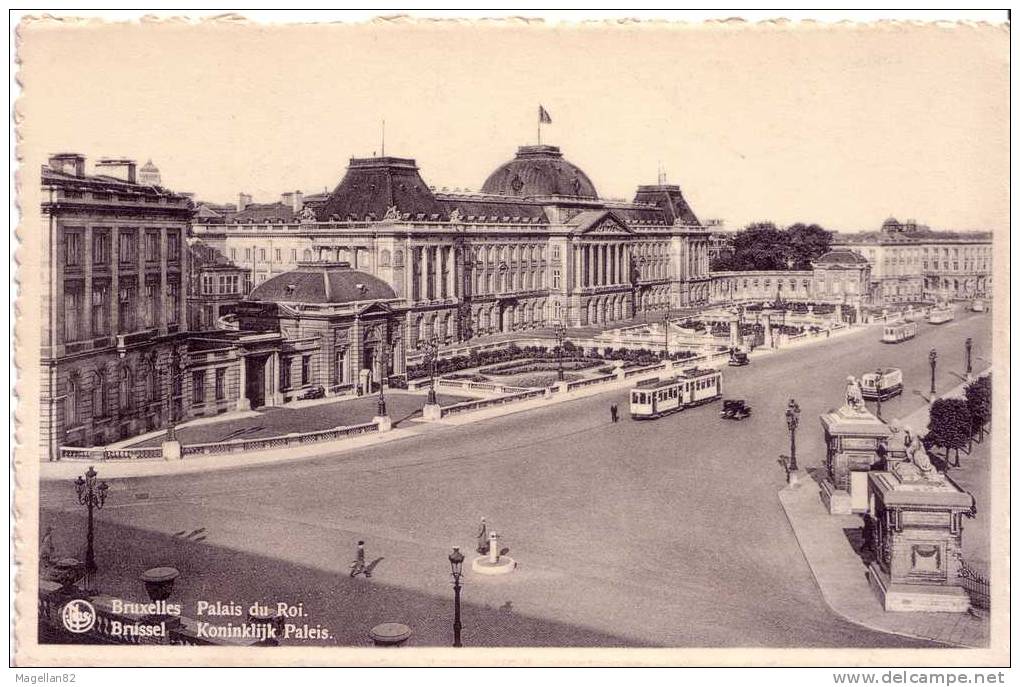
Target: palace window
151, 303
126, 308
221, 383
173, 247
124, 390
306, 369
233, 254
72, 311
151, 246
293, 254
99, 395
72, 406
173, 301
100, 309
278, 255
262, 254
100, 248
247, 254
128, 246
556, 279
284, 373
198, 386
72, 248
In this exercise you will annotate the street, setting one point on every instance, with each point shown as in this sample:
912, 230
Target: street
662, 533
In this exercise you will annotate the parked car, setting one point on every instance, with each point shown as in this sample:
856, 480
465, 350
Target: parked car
735, 409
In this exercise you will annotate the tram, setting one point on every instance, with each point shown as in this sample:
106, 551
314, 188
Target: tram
654, 398
885, 383
977, 305
941, 315
898, 332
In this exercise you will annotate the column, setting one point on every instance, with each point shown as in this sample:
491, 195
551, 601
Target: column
161, 313
438, 267
423, 276
86, 238
576, 255
140, 303
585, 265
115, 285
242, 385
182, 285
626, 264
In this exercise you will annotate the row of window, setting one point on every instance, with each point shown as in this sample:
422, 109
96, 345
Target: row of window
74, 255
285, 373
198, 387
129, 316
221, 284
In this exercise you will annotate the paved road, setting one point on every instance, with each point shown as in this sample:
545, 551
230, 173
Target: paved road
665, 533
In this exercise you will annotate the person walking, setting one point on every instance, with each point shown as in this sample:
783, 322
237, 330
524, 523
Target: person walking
358, 566
614, 412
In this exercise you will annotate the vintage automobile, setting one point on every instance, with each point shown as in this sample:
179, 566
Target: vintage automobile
739, 358
882, 384
735, 409
977, 305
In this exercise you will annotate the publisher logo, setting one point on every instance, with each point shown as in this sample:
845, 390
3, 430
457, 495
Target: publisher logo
78, 616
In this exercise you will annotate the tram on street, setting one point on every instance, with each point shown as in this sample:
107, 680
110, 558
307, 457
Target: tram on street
941, 315
654, 398
898, 332
978, 305
884, 383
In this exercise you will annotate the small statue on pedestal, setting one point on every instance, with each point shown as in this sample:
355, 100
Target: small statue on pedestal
854, 401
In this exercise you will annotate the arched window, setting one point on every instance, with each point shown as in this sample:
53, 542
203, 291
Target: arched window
98, 394
71, 404
384, 258
153, 382
398, 258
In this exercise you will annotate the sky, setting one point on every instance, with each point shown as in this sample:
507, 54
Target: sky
842, 125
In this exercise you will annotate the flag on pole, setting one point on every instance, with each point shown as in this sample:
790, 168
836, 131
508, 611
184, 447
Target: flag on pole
543, 116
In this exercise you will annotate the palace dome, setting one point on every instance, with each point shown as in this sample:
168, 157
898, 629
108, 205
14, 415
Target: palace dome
332, 282
539, 170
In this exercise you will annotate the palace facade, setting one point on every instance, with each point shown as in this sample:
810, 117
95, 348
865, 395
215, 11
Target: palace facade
536, 246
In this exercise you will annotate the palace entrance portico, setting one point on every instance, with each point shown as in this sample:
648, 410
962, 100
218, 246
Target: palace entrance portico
259, 370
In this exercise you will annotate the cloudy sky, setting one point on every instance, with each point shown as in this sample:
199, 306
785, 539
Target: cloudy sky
840, 125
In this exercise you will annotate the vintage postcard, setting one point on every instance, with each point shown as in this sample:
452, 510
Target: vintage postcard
405, 342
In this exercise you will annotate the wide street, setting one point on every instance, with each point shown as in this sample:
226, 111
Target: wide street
662, 533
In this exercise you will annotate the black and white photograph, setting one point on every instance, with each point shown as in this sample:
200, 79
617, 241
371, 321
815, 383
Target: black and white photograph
387, 341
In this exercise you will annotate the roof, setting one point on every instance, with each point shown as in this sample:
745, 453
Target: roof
264, 212
539, 170
670, 201
334, 283
103, 183
373, 185
841, 257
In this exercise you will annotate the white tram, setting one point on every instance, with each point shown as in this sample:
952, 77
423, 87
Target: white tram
882, 384
899, 331
941, 315
654, 398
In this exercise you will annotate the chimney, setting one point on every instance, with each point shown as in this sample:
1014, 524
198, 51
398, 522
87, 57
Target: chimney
243, 201
118, 167
299, 201
68, 163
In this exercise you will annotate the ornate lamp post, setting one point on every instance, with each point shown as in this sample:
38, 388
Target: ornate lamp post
933, 357
456, 565
92, 495
665, 328
431, 352
878, 393
792, 420
505, 288
384, 367
968, 344
561, 334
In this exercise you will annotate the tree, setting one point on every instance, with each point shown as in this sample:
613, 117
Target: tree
979, 402
763, 246
949, 426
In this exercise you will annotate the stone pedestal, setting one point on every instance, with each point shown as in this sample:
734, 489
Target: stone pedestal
852, 440
432, 412
914, 527
172, 450
766, 320
384, 422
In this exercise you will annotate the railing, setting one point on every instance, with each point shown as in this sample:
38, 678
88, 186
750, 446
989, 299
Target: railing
296, 439
468, 406
92, 455
591, 381
977, 586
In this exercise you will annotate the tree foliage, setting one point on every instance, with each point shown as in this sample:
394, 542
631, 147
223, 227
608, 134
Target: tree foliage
979, 402
949, 425
764, 246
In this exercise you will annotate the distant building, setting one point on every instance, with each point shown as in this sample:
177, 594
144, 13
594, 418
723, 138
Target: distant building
148, 175
116, 315
911, 262
216, 286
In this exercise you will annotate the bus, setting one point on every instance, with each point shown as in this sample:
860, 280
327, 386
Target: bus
654, 398
941, 315
898, 332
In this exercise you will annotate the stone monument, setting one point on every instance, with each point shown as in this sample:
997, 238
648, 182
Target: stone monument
494, 562
855, 441
914, 527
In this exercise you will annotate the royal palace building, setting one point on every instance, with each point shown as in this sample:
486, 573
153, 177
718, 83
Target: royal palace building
114, 304
536, 246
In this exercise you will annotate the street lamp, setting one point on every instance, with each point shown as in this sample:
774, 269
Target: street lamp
792, 420
561, 334
431, 351
456, 564
968, 344
878, 393
92, 495
665, 328
384, 366
932, 359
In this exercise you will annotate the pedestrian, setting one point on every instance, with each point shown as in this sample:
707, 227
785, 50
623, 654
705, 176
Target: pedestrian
483, 538
614, 412
358, 566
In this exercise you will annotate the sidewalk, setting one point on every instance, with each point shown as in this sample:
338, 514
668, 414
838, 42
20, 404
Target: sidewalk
841, 574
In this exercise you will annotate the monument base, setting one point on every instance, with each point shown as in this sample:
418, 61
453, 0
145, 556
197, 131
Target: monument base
793, 478
171, 450
432, 412
925, 598
384, 422
483, 566
837, 501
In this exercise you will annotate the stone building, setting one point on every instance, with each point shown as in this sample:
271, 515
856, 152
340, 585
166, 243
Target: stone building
912, 263
115, 312
537, 246
216, 286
